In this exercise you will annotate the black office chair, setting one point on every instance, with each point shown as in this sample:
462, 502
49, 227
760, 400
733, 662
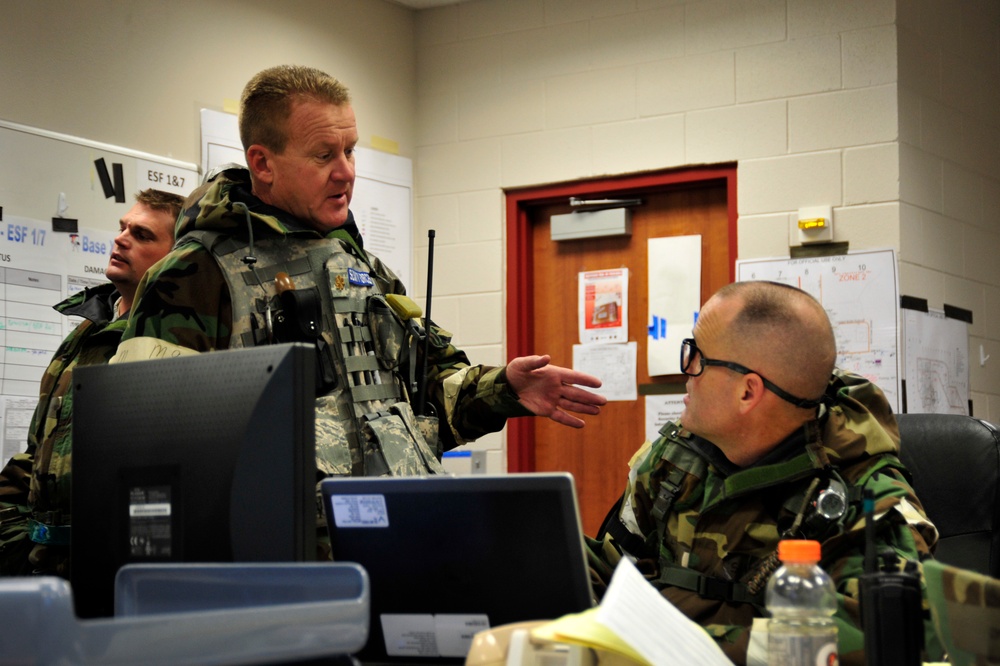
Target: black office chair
955, 462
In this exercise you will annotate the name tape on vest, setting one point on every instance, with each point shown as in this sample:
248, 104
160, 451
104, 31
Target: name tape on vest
359, 279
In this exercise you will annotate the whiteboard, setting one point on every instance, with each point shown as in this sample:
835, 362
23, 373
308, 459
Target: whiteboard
860, 292
45, 175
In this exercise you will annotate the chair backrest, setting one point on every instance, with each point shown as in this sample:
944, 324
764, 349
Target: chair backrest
955, 463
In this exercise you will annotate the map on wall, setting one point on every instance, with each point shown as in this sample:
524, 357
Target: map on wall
936, 363
860, 292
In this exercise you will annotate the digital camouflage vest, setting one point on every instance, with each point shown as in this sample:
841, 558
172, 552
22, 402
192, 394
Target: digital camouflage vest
304, 290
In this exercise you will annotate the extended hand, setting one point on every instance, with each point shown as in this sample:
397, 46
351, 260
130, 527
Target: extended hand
550, 390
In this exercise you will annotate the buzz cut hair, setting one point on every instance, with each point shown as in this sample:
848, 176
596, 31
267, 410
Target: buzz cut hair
161, 201
267, 99
791, 326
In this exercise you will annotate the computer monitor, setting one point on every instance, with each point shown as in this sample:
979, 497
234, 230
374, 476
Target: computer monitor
202, 458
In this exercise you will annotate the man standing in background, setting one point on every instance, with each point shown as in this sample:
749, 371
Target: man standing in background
35, 485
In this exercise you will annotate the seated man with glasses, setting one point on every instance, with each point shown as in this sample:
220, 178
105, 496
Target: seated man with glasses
773, 443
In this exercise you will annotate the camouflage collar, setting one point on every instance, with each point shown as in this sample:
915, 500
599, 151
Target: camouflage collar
93, 303
788, 449
238, 190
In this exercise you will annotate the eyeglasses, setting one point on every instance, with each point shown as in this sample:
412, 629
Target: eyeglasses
690, 351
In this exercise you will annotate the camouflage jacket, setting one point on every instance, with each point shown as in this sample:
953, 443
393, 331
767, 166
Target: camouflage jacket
185, 300
705, 532
35, 485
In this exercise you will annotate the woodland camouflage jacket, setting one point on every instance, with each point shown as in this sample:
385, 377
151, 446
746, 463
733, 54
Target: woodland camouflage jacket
708, 531
35, 485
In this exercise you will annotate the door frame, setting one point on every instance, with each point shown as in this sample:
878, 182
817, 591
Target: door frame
520, 434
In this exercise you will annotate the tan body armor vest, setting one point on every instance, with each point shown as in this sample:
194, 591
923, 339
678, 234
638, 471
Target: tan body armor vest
365, 425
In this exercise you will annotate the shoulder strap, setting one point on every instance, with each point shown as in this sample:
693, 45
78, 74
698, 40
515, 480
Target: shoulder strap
709, 587
633, 543
209, 239
613, 526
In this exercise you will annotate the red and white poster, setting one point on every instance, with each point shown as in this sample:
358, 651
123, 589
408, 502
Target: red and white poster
604, 306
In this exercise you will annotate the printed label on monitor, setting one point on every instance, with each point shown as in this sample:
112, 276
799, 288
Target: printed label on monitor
359, 511
149, 522
425, 635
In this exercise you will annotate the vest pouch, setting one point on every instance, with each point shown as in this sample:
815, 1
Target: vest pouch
388, 333
393, 446
298, 316
428, 427
336, 454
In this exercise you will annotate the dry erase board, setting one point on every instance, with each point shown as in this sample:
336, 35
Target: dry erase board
45, 174
86, 186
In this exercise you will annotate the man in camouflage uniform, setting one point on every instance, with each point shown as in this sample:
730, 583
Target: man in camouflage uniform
35, 485
272, 254
750, 463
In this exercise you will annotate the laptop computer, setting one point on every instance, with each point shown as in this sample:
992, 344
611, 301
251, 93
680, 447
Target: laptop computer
448, 557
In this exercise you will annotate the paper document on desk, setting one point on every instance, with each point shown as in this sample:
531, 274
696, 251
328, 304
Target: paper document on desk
584, 629
635, 620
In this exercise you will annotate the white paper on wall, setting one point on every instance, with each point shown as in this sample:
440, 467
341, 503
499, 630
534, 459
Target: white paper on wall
659, 410
613, 364
674, 299
936, 363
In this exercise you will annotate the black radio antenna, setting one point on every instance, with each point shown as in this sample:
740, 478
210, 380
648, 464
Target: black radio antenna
422, 391
868, 507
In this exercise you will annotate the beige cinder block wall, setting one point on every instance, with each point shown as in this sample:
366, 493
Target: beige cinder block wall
885, 110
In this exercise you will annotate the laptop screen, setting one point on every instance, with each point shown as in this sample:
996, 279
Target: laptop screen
448, 557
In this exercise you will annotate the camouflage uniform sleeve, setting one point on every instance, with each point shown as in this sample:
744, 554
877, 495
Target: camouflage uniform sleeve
15, 480
474, 400
15, 483
184, 300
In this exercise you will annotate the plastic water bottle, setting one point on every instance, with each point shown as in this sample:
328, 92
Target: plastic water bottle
801, 599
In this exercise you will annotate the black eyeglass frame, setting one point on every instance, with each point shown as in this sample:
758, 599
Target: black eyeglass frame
689, 349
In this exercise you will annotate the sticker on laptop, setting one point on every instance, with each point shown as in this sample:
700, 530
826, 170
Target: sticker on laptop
426, 635
359, 511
